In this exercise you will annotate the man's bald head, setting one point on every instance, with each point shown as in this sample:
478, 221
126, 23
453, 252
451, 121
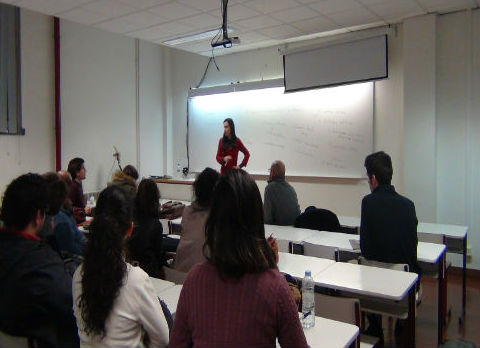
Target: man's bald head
65, 176
277, 170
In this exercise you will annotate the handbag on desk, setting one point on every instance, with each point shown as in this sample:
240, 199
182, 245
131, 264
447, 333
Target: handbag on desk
171, 210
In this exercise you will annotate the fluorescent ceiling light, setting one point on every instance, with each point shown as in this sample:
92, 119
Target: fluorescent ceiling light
196, 37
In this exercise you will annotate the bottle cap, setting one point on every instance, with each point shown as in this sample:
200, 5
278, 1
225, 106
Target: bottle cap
308, 273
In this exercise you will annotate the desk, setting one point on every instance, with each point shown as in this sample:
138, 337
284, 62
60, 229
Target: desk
160, 285
373, 282
290, 233
295, 265
171, 296
330, 333
427, 253
456, 241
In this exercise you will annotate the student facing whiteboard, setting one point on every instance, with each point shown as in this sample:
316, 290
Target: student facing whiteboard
228, 147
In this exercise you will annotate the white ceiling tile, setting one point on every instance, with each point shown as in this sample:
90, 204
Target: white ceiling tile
331, 6
268, 6
376, 2
306, 1
199, 46
257, 22
315, 25
174, 10
295, 14
50, 7
351, 18
83, 16
143, 4
131, 22
109, 8
205, 5
252, 36
237, 12
118, 25
9, 1
281, 32
397, 10
203, 20
143, 18
445, 5
161, 31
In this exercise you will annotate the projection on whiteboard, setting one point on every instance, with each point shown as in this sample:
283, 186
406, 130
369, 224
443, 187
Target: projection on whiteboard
321, 133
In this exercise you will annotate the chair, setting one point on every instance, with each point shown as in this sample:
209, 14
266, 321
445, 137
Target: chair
322, 251
7, 340
318, 219
174, 276
346, 310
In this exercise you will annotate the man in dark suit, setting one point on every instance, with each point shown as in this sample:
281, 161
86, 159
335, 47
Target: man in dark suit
388, 228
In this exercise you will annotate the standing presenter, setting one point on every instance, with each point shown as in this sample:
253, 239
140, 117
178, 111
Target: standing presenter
228, 147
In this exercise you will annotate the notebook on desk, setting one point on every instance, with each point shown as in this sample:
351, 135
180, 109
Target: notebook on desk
355, 244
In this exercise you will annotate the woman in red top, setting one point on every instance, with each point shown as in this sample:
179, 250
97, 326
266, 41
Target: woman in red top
228, 147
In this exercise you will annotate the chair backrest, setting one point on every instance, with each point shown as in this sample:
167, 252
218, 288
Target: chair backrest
7, 340
323, 251
431, 238
283, 245
394, 266
318, 219
174, 276
346, 310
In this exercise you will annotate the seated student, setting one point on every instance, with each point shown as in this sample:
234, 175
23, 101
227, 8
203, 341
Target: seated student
388, 227
237, 298
145, 245
35, 290
76, 168
68, 238
318, 219
126, 179
189, 251
114, 302
280, 204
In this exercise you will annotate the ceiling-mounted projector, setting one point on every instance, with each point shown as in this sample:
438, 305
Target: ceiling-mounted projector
225, 41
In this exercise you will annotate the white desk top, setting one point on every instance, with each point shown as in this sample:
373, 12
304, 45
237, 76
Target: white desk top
453, 231
426, 252
365, 280
170, 296
165, 200
160, 285
289, 233
331, 333
295, 265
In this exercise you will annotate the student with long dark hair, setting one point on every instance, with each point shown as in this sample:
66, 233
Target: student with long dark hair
237, 298
145, 245
114, 303
189, 251
228, 147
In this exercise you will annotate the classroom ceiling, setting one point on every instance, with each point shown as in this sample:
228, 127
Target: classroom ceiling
258, 23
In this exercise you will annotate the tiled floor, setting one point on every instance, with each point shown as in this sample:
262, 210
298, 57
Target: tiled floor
426, 324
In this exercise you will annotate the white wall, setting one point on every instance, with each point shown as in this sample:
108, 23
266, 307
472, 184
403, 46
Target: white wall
34, 152
341, 196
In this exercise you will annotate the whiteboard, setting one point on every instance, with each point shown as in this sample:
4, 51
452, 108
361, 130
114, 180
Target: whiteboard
320, 133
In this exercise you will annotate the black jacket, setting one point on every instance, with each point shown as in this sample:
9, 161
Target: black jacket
35, 293
388, 228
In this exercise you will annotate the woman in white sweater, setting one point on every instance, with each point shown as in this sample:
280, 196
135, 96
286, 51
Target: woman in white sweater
114, 302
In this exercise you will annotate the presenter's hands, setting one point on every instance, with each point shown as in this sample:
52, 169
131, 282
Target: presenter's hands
227, 159
236, 167
273, 244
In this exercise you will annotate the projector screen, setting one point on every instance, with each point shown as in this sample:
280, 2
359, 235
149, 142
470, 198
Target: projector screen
361, 60
318, 133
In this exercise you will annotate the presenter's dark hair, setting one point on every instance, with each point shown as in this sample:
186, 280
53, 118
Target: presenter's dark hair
380, 165
234, 233
131, 171
74, 166
23, 198
147, 203
229, 142
104, 267
204, 185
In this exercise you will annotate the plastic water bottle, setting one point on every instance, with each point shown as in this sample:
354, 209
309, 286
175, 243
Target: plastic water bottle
308, 301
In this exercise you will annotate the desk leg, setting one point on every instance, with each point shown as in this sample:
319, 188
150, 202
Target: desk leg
411, 317
442, 298
464, 277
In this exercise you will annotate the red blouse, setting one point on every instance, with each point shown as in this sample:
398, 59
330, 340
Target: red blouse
232, 151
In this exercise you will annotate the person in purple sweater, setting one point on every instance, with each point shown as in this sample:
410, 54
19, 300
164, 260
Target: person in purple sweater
237, 298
